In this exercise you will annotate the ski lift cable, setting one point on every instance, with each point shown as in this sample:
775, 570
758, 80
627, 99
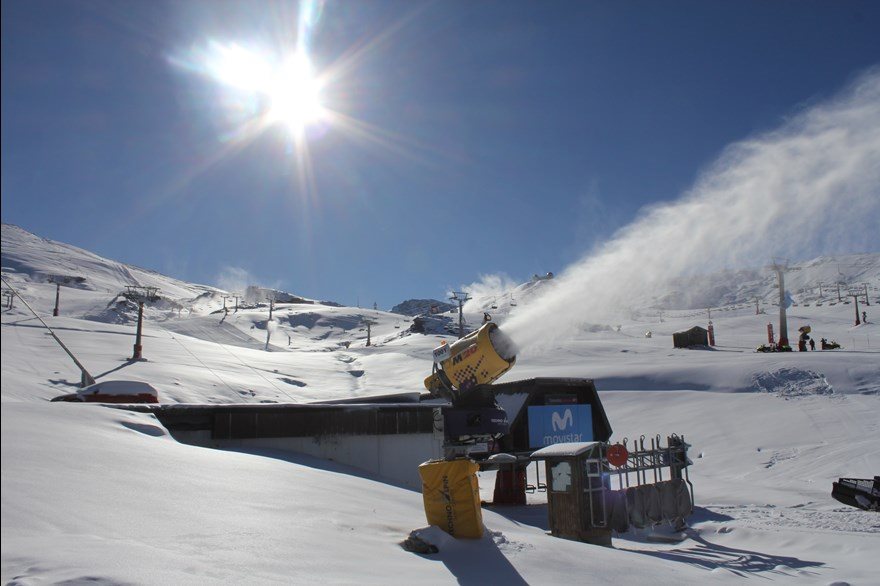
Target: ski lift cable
282, 391
257, 372
211, 370
87, 378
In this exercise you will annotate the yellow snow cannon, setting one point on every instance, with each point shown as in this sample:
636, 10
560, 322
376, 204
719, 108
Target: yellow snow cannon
479, 358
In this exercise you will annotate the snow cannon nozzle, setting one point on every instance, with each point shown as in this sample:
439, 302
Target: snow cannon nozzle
479, 358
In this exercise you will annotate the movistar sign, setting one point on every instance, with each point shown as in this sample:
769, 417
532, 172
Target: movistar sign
557, 424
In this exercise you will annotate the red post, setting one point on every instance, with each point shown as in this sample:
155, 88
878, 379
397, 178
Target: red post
711, 334
138, 348
770, 334
510, 485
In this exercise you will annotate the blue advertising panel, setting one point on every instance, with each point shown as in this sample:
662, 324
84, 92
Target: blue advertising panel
557, 424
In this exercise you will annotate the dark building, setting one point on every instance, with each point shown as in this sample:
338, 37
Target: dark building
696, 336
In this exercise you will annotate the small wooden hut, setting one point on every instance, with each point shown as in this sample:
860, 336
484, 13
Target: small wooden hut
577, 507
696, 336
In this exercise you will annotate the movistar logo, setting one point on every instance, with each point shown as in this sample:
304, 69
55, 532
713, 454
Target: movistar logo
562, 422
556, 424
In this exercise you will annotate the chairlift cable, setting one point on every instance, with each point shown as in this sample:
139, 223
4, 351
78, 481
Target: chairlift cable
257, 372
211, 370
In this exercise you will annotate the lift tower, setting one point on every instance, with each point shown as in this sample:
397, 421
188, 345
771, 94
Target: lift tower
140, 295
780, 268
461, 298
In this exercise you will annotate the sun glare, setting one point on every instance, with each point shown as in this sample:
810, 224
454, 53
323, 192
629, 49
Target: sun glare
294, 95
290, 89
264, 83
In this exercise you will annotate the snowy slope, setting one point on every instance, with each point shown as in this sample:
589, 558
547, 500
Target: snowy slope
91, 493
35, 259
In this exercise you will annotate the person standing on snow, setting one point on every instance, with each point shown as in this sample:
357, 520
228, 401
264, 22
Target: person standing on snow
812, 344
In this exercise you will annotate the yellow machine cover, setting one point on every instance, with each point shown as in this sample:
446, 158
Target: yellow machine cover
479, 358
452, 497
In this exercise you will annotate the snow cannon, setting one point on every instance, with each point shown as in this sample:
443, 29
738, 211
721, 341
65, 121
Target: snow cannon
479, 358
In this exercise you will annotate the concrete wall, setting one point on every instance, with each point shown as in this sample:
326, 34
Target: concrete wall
394, 457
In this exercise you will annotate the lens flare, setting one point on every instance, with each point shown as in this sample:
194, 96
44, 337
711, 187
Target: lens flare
289, 89
266, 80
295, 97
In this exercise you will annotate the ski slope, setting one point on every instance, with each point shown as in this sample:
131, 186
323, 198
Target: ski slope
107, 496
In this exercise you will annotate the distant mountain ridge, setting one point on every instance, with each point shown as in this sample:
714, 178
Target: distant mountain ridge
37, 259
28, 258
413, 307
809, 281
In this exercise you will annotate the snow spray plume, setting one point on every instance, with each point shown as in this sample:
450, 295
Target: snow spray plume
809, 187
234, 279
487, 289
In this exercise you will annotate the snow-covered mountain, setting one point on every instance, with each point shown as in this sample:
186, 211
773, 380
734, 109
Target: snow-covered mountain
100, 495
37, 260
826, 279
816, 280
413, 307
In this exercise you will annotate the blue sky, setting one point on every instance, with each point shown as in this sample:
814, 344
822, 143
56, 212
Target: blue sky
497, 137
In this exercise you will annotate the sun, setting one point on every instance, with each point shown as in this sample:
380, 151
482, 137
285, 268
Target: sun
288, 87
295, 95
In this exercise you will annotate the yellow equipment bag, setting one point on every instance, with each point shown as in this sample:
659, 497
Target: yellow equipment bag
452, 497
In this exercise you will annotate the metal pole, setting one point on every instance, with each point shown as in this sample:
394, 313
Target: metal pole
856, 299
866, 294
461, 300
57, 299
86, 379
138, 348
460, 318
783, 321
